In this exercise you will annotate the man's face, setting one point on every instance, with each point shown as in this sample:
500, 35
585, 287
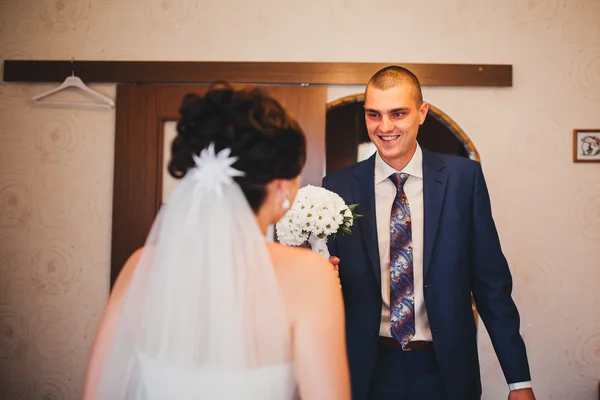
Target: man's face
393, 117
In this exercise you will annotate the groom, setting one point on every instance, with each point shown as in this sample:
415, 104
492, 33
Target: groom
426, 243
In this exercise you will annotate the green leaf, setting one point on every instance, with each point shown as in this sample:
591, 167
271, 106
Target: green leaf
345, 229
352, 206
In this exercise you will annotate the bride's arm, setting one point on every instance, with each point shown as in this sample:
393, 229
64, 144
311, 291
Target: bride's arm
320, 359
106, 327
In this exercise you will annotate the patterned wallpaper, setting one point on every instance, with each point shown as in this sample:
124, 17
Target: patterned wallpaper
56, 165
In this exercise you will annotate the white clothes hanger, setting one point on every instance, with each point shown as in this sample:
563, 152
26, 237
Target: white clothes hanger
75, 82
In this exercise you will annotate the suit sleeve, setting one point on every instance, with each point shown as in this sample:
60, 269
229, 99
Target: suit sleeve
492, 288
331, 242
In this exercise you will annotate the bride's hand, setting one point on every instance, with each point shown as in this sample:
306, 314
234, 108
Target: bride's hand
335, 262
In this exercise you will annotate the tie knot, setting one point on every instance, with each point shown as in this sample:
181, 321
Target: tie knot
399, 178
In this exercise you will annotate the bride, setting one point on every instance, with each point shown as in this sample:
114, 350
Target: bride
208, 309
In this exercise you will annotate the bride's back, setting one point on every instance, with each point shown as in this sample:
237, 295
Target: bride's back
317, 366
313, 301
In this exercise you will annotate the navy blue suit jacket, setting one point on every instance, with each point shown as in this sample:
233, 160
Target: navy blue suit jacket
462, 256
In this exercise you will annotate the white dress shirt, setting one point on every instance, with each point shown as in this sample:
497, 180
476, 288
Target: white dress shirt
385, 193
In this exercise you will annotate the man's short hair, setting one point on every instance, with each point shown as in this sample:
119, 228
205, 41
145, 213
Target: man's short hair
395, 75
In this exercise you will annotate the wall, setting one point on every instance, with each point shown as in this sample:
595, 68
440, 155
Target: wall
56, 165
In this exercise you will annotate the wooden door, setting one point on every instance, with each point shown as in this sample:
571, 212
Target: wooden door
139, 172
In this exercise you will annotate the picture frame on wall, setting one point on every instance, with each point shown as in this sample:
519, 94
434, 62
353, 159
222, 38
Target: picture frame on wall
586, 145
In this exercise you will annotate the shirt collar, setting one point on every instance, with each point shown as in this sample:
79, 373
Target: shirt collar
414, 167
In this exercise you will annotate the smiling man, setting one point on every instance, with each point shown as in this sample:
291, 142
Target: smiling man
426, 243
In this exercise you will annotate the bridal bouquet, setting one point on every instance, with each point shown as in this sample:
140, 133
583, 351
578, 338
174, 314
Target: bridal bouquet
315, 214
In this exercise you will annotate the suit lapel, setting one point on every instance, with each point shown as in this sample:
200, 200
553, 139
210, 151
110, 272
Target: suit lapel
435, 179
363, 190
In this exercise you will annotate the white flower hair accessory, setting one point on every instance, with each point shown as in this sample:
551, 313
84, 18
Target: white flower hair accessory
213, 170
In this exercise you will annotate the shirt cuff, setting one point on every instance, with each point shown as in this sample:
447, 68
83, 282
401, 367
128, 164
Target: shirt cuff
519, 385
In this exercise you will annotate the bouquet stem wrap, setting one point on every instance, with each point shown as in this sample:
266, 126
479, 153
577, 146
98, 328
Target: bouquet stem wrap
319, 245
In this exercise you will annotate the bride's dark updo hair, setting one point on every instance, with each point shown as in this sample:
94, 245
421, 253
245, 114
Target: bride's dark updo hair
267, 140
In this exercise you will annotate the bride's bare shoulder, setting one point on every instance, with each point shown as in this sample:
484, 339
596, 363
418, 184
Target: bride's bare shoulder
306, 280
297, 258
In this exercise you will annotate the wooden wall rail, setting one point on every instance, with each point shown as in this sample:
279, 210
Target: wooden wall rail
321, 73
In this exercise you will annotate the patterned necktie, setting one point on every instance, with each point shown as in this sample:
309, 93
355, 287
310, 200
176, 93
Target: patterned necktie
402, 295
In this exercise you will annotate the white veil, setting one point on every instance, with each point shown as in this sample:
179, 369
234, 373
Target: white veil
203, 304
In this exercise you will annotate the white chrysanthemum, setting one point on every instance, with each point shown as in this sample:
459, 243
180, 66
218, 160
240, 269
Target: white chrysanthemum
316, 211
348, 214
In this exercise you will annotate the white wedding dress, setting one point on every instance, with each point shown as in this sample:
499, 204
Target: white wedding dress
164, 381
203, 317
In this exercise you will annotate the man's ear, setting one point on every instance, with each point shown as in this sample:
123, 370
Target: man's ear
423, 112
